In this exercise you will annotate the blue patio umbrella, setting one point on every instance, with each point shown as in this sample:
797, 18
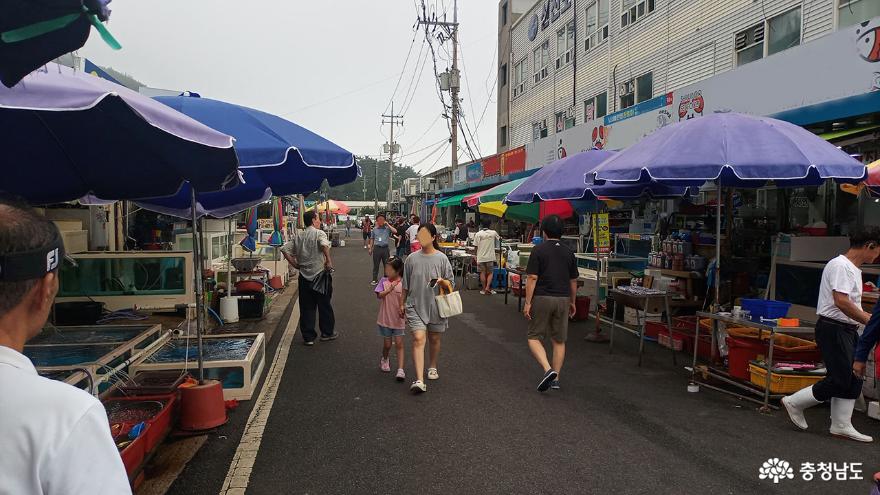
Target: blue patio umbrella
732, 149
66, 134
572, 178
277, 158
33, 33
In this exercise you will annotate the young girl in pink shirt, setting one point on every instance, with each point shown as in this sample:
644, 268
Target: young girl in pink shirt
391, 323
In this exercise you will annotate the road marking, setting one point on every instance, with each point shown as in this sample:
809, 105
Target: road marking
239, 474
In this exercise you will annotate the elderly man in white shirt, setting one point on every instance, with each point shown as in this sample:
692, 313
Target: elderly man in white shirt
54, 438
840, 313
309, 252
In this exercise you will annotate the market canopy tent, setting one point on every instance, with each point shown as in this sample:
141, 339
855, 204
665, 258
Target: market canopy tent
68, 134
33, 33
331, 206
277, 158
499, 192
871, 183
530, 212
452, 200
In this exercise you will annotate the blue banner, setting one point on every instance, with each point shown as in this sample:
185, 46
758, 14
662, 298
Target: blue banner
640, 108
475, 172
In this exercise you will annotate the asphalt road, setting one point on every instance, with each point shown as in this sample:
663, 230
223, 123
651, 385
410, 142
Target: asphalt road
339, 425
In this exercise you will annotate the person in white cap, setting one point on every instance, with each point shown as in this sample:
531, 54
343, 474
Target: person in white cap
54, 438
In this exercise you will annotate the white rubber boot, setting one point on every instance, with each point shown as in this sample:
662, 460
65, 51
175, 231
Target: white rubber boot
841, 420
796, 403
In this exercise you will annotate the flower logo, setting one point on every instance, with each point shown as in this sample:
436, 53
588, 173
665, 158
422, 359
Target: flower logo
776, 469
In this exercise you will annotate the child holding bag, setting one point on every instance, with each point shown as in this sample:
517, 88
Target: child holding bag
391, 324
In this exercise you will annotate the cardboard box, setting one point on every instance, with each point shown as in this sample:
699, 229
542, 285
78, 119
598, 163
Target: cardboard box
634, 317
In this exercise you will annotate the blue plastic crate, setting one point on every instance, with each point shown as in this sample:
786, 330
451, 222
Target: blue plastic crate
765, 308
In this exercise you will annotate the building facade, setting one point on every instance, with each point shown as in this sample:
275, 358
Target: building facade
604, 73
509, 12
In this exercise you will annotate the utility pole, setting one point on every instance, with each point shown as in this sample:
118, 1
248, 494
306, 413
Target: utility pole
391, 147
452, 77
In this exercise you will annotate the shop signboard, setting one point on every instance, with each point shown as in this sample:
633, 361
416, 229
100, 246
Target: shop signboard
459, 176
474, 172
492, 166
850, 68
601, 233
513, 161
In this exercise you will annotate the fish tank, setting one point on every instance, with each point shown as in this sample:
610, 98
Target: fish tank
126, 279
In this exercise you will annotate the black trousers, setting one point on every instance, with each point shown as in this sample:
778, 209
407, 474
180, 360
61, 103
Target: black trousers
837, 341
311, 305
380, 257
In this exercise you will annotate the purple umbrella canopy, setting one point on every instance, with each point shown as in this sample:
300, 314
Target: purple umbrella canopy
735, 150
571, 178
66, 134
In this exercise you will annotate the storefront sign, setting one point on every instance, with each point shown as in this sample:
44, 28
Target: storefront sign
513, 161
492, 166
459, 176
548, 13
475, 172
601, 233
640, 108
848, 80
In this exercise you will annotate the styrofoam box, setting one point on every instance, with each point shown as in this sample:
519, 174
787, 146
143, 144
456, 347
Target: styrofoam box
75, 241
632, 316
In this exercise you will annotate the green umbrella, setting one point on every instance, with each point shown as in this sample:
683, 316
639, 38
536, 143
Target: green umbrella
499, 192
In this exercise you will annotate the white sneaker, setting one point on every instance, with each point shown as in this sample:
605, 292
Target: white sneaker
418, 387
432, 374
841, 421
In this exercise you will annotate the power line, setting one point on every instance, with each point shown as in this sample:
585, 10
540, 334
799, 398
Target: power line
408, 53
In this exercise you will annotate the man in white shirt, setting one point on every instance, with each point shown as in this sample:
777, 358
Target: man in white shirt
485, 240
411, 233
840, 313
54, 438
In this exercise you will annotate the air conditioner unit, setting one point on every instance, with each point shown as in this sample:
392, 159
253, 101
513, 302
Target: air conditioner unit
429, 184
411, 187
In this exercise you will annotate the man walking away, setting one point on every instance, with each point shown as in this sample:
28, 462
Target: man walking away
840, 313
486, 240
380, 239
551, 289
309, 252
55, 437
411, 235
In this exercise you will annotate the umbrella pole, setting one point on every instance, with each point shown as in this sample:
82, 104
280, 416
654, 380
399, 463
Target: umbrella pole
229, 259
199, 289
718, 252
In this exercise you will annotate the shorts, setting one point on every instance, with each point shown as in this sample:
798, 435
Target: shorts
415, 323
390, 332
549, 317
486, 266
366, 235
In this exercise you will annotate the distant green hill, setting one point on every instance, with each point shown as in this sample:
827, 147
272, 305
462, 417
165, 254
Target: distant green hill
354, 191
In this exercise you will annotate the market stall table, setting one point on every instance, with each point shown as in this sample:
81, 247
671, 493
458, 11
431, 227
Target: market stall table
761, 327
522, 274
647, 300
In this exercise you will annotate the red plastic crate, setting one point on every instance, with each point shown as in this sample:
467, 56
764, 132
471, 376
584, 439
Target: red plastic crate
653, 329
742, 350
133, 454
160, 424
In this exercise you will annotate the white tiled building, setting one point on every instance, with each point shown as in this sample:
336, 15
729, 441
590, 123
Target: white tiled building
576, 62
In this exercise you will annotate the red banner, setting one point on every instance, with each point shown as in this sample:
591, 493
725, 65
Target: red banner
513, 161
492, 166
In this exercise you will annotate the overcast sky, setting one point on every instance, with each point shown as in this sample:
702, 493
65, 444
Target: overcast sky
330, 66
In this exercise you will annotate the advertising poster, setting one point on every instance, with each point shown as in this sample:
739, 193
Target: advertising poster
475, 172
601, 233
513, 161
492, 166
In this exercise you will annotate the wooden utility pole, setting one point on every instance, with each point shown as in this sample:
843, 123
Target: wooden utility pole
391, 148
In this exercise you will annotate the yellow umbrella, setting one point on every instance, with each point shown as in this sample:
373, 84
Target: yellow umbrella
494, 208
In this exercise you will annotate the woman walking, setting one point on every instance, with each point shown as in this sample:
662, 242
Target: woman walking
424, 272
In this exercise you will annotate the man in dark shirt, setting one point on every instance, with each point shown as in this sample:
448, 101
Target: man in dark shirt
551, 289
461, 230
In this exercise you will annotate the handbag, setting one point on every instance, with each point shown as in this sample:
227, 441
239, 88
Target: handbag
323, 282
448, 301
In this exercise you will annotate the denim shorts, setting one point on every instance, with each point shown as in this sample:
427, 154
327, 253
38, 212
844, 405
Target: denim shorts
390, 332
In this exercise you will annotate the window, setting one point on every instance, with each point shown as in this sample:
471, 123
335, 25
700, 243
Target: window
644, 87
636, 10
539, 130
504, 14
773, 36
564, 45
519, 78
852, 12
636, 90
596, 107
784, 31
597, 24
564, 120
502, 136
541, 61
503, 75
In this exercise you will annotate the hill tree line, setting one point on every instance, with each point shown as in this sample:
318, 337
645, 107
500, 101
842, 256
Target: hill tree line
365, 187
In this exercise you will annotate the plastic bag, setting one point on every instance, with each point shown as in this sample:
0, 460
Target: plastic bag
323, 282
